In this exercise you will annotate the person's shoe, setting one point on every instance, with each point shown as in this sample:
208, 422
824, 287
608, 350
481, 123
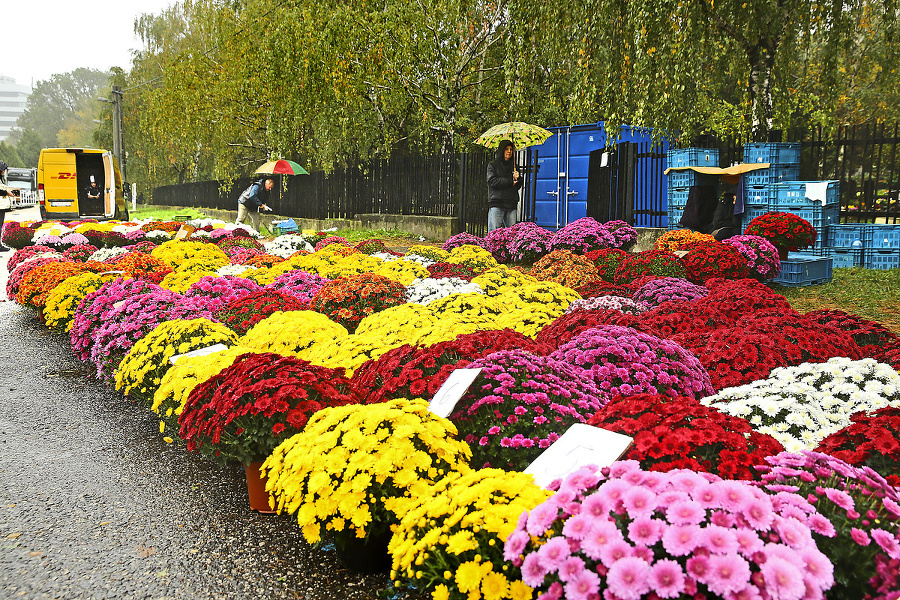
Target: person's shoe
4, 249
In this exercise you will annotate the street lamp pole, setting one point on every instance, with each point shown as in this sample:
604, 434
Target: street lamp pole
118, 127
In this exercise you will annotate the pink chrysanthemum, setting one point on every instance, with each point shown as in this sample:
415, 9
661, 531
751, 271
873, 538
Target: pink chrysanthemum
629, 578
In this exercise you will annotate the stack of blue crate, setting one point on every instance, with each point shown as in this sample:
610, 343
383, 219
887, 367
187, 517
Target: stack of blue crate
777, 189
873, 246
680, 182
846, 244
882, 246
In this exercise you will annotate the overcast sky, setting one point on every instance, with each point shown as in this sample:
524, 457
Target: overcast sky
46, 37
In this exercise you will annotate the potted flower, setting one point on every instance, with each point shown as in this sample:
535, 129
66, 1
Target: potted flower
519, 405
419, 372
349, 471
763, 260
295, 332
141, 371
449, 542
681, 433
799, 406
566, 268
348, 300
786, 231
623, 532
669, 289
858, 524
243, 412
871, 440
703, 261
243, 313
623, 361
583, 235
649, 262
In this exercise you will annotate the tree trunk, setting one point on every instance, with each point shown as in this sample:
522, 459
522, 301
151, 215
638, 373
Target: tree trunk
762, 61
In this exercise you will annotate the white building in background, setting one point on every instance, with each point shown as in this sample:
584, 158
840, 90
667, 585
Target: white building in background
12, 104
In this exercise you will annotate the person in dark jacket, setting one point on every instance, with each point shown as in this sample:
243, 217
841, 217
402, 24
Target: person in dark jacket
253, 199
504, 184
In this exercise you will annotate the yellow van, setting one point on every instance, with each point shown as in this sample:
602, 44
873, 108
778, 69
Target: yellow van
64, 183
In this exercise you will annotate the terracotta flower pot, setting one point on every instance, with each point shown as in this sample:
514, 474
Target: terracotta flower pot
256, 488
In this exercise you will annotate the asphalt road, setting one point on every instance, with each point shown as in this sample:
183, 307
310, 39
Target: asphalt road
94, 504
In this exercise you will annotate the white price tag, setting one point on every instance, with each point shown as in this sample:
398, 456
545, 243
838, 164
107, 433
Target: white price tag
580, 445
119, 303
200, 352
453, 389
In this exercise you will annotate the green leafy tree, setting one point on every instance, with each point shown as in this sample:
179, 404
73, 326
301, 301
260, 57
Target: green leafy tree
10, 156
690, 65
64, 103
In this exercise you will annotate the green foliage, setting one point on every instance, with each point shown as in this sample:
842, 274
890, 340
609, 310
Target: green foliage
10, 156
697, 66
60, 110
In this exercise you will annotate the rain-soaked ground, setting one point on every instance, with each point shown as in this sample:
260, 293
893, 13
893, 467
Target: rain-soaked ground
94, 504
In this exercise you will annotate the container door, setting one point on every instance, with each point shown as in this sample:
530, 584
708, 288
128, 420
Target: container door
581, 141
109, 186
551, 156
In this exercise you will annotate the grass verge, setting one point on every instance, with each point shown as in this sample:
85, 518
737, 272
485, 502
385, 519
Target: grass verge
869, 293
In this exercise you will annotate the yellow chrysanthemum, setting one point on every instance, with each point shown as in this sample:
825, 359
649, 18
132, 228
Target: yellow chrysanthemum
303, 478
297, 333
141, 371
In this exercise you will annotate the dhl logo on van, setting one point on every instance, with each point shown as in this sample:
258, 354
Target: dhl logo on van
63, 176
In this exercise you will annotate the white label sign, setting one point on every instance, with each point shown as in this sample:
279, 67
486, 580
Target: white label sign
200, 352
453, 389
580, 445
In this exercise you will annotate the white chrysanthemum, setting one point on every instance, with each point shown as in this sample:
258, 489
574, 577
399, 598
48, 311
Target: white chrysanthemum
385, 257
285, 246
422, 260
106, 253
799, 406
424, 291
233, 270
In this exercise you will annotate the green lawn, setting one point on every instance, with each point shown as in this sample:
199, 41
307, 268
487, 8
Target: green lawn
865, 292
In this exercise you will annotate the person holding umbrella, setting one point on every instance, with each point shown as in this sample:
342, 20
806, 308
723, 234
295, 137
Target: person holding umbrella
253, 199
504, 183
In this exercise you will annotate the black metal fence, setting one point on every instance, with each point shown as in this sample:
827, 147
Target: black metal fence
865, 159
441, 185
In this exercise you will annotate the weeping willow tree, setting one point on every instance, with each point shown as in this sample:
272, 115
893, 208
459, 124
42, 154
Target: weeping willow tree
220, 87
727, 66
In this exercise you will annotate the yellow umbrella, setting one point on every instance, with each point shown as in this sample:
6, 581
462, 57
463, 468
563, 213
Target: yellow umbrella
519, 133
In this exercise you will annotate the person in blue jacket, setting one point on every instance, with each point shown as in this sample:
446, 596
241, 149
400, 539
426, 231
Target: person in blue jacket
504, 184
253, 199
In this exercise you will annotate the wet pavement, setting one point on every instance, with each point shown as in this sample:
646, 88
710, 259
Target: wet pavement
94, 504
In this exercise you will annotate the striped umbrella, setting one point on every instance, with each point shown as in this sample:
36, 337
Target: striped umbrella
520, 134
281, 167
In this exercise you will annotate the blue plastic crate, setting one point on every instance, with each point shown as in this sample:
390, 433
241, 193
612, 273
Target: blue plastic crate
674, 216
882, 259
882, 237
678, 197
798, 271
772, 153
693, 157
688, 177
759, 197
845, 258
847, 235
790, 193
751, 213
774, 174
